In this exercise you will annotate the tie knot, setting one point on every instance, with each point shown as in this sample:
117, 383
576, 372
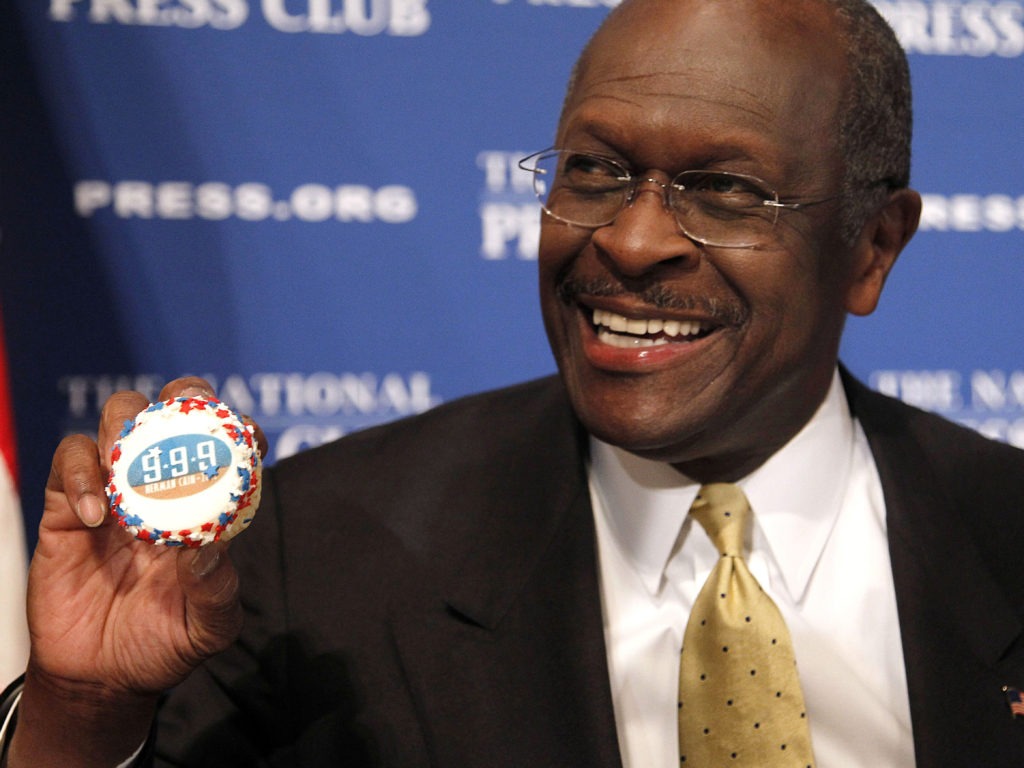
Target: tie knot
722, 509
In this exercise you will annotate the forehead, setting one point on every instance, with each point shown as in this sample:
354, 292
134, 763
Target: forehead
743, 73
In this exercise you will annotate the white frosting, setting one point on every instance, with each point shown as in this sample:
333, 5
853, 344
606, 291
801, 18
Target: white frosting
186, 472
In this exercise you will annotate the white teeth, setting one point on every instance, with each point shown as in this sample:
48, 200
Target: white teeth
636, 327
629, 342
638, 330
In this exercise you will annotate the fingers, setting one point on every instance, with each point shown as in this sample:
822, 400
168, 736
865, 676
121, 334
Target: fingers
187, 386
119, 409
261, 439
80, 466
76, 473
210, 583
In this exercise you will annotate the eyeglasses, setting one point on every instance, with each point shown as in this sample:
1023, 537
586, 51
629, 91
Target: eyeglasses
728, 210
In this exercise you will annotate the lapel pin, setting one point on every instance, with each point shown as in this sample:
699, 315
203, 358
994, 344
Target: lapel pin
1015, 699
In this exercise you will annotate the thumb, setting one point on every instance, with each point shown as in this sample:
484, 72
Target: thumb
213, 612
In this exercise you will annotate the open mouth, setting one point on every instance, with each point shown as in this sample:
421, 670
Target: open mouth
629, 333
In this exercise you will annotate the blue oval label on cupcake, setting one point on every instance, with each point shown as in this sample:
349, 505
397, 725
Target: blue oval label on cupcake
179, 466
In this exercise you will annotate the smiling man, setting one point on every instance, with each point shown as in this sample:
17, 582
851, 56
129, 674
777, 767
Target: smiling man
703, 543
755, 95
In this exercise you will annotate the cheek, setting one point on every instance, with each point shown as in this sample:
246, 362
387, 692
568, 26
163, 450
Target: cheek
556, 255
560, 246
787, 301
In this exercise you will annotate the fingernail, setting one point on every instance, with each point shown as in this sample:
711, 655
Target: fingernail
206, 560
196, 392
91, 510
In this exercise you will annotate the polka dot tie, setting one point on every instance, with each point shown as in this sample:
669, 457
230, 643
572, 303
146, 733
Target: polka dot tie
740, 702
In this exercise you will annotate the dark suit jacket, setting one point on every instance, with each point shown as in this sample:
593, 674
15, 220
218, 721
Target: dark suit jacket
426, 594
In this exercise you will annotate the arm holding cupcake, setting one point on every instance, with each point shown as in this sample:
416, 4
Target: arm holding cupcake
113, 622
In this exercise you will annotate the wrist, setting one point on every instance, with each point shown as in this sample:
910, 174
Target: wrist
76, 725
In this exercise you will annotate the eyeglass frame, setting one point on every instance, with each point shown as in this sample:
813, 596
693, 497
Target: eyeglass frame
632, 185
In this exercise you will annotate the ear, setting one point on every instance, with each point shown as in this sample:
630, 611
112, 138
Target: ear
878, 246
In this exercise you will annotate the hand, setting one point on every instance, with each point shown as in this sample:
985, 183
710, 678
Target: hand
113, 621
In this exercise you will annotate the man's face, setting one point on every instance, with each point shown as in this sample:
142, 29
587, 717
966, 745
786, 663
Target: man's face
728, 86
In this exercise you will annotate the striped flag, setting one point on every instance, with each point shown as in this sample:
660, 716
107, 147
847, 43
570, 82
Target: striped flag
13, 628
1015, 699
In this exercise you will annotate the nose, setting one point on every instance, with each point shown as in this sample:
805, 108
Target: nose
646, 234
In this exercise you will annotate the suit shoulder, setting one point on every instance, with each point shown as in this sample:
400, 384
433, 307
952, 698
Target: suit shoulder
445, 475
463, 455
469, 426
951, 448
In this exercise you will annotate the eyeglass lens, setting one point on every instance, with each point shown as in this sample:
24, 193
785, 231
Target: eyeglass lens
714, 208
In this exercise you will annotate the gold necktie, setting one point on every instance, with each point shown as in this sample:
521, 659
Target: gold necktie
740, 702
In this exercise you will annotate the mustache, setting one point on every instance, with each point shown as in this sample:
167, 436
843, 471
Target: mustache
728, 312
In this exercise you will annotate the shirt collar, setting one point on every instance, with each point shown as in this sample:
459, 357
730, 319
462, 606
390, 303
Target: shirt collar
796, 496
644, 503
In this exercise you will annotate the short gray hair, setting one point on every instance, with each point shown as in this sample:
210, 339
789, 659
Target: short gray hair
876, 117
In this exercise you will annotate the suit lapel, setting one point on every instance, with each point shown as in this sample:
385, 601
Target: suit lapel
961, 637
502, 642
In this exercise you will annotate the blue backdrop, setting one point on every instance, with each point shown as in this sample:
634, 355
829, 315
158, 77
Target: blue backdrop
315, 204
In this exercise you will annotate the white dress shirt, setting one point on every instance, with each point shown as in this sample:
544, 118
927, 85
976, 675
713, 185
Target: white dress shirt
818, 546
